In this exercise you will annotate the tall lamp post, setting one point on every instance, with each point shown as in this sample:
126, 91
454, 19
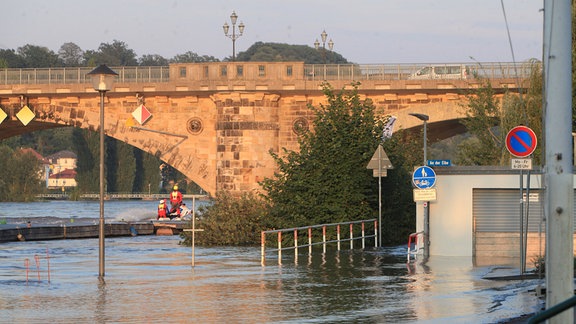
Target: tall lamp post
233, 36
425, 119
324, 36
102, 80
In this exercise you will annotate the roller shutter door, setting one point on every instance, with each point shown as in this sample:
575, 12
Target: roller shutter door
498, 210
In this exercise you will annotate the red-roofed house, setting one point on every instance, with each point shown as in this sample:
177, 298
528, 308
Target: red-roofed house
62, 170
64, 179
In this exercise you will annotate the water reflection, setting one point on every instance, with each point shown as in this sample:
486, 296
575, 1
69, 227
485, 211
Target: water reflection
150, 279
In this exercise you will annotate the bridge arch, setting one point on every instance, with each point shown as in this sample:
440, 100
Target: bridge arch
218, 132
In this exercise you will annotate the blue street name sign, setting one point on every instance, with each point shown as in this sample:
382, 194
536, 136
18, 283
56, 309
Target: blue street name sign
424, 177
443, 163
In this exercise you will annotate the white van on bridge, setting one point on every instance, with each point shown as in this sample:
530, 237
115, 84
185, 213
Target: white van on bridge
433, 72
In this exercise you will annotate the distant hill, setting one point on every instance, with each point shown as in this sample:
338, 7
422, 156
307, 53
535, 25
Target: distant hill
278, 52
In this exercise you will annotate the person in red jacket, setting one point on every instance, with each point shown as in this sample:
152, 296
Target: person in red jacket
162, 209
175, 201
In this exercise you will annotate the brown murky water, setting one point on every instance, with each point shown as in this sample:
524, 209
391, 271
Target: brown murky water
149, 279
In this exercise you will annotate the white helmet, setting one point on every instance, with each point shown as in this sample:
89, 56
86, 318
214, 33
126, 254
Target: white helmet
162, 201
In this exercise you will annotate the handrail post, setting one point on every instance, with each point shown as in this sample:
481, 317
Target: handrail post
338, 235
263, 248
363, 237
295, 245
309, 240
324, 238
375, 233
351, 236
279, 248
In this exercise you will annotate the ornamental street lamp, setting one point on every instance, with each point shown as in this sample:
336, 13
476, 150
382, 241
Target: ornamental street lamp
324, 36
233, 36
425, 119
102, 80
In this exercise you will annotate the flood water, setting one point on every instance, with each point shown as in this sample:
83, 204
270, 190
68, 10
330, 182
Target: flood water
149, 279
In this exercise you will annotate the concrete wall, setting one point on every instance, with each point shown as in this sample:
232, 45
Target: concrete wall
451, 217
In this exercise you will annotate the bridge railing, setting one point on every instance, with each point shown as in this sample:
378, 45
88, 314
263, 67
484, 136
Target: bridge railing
119, 195
71, 75
318, 72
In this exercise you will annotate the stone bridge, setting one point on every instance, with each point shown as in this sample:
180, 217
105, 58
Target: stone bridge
217, 122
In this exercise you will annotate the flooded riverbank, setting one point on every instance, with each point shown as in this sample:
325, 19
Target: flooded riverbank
150, 279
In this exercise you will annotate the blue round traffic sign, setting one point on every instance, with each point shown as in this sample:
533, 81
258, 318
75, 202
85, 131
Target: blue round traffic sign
521, 141
424, 177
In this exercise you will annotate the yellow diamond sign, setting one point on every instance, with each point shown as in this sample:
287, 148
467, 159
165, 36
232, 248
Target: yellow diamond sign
3, 116
25, 115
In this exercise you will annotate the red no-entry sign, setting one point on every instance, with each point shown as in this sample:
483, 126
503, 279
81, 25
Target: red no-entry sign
521, 141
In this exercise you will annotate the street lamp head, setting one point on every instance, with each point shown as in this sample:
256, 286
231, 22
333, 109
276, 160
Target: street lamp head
226, 28
102, 78
420, 116
241, 28
324, 36
233, 17
316, 44
331, 45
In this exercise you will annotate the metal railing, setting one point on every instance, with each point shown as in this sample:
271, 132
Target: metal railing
414, 245
553, 311
118, 195
315, 72
77, 75
324, 241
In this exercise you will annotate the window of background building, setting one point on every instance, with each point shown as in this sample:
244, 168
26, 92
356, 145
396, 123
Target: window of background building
206, 72
261, 70
239, 71
289, 70
223, 71
182, 72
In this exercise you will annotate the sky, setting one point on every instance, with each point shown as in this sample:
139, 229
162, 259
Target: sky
363, 31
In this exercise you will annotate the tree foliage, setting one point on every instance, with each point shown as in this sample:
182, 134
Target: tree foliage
231, 221
19, 176
71, 54
191, 57
153, 60
327, 180
38, 57
115, 54
488, 120
118, 53
277, 52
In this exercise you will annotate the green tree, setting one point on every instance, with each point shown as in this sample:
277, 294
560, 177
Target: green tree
38, 57
86, 146
9, 59
71, 54
327, 180
125, 167
115, 54
231, 221
191, 57
405, 150
488, 120
19, 176
153, 60
277, 52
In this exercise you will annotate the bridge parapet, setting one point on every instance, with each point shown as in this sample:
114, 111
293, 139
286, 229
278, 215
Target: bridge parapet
217, 122
266, 71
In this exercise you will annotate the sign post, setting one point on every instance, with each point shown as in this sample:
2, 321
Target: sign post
521, 142
424, 178
379, 163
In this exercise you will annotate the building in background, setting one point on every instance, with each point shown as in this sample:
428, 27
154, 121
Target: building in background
62, 170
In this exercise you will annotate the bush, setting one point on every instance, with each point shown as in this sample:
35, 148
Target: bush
230, 221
